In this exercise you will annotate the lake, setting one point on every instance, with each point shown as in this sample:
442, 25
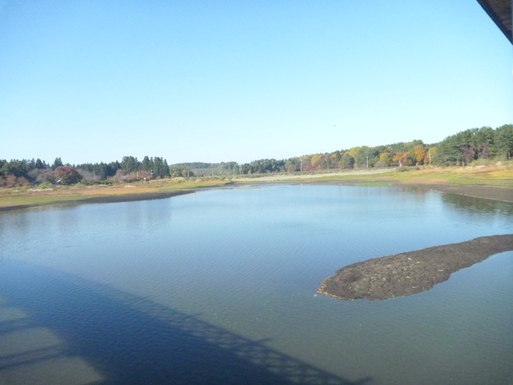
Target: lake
219, 287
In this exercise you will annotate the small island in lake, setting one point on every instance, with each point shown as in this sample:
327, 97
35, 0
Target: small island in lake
411, 272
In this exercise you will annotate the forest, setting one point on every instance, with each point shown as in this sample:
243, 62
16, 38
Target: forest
463, 148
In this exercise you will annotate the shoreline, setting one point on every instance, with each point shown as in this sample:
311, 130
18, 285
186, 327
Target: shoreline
103, 199
412, 272
496, 193
499, 194
103, 194
485, 182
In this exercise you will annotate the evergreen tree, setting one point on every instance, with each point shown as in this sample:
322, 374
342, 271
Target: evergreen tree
146, 164
503, 140
57, 163
39, 164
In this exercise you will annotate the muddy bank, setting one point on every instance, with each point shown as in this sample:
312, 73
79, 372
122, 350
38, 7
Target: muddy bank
502, 194
134, 197
411, 272
104, 199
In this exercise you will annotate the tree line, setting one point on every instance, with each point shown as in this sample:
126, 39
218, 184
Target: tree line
460, 149
25, 172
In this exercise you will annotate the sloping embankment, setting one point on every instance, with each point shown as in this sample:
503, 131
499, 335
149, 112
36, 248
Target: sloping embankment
411, 272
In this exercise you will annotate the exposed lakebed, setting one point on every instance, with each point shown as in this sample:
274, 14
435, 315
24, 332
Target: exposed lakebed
411, 272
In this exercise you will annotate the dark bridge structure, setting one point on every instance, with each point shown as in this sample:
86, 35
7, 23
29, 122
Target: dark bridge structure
500, 12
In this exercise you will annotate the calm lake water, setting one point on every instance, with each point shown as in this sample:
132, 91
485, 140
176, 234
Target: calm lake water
219, 287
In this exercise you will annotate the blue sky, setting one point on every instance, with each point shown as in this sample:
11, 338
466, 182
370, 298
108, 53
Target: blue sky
213, 81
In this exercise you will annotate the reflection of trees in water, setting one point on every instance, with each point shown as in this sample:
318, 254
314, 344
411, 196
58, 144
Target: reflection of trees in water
478, 205
418, 190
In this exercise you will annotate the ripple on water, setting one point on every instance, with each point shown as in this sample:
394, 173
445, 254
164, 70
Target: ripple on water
249, 262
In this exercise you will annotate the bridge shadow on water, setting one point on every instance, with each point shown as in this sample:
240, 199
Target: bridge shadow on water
56, 328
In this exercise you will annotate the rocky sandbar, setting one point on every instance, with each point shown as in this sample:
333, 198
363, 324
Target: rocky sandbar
411, 272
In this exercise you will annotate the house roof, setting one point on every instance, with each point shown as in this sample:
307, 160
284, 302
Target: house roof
500, 12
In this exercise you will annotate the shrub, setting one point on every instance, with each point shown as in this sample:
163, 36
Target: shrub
481, 162
10, 180
45, 185
22, 181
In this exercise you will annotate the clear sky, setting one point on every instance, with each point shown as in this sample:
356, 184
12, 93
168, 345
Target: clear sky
213, 81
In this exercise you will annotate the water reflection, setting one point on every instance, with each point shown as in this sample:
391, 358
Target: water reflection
97, 334
478, 206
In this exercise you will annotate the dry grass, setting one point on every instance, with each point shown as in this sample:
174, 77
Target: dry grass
12, 197
497, 176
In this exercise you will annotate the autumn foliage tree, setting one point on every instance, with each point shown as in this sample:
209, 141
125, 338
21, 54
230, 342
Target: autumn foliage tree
315, 161
347, 161
10, 180
431, 155
403, 159
419, 153
385, 158
67, 175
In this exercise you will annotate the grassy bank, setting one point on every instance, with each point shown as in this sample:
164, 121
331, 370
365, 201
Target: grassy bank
497, 175
13, 198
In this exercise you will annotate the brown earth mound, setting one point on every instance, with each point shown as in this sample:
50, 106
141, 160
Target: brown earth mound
411, 272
